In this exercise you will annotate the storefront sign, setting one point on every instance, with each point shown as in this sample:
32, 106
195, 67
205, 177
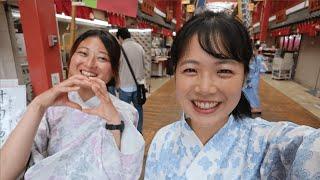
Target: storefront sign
185, 2
147, 7
281, 16
250, 6
314, 5
12, 104
190, 8
124, 7
169, 14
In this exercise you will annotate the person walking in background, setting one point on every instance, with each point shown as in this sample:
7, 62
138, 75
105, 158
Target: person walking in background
251, 89
127, 86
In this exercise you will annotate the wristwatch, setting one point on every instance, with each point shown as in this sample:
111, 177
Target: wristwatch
115, 127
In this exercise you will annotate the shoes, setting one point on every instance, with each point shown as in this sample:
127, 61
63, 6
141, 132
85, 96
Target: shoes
256, 111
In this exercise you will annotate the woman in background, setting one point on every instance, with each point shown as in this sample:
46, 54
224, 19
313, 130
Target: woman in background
251, 89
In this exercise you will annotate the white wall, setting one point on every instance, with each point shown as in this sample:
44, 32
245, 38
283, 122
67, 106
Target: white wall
308, 62
7, 65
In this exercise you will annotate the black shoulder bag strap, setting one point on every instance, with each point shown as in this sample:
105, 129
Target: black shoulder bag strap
127, 60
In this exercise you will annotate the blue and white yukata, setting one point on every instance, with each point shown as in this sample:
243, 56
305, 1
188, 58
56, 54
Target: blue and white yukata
242, 149
251, 90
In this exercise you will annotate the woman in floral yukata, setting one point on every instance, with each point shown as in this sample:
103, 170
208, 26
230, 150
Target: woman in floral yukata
76, 130
216, 138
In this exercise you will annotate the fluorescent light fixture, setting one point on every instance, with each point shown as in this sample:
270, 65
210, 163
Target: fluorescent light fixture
113, 30
64, 18
16, 14
132, 30
220, 6
81, 21
256, 25
272, 18
292, 9
160, 13
296, 8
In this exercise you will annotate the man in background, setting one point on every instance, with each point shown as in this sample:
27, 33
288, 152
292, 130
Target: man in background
127, 86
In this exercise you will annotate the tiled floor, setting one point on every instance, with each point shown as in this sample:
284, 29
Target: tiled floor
296, 92
291, 89
157, 82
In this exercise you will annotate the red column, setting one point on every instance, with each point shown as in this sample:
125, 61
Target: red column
38, 22
178, 15
264, 21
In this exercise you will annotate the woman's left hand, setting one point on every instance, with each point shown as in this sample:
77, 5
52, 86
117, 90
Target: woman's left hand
106, 109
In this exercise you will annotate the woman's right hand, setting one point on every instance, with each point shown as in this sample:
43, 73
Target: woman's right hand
58, 95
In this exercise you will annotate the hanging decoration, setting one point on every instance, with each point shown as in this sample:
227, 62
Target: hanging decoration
116, 19
280, 32
310, 27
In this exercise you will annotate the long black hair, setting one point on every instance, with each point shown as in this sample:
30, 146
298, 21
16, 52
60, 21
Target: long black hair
110, 43
221, 35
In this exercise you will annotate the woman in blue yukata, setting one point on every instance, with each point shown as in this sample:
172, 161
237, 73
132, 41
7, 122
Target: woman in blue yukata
76, 130
251, 89
216, 138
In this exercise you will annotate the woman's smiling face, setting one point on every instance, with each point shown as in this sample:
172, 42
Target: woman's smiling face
91, 59
208, 89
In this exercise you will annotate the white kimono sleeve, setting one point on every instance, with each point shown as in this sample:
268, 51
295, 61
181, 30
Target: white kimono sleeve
40, 144
129, 164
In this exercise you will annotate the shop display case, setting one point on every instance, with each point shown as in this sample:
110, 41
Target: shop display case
282, 67
268, 53
159, 56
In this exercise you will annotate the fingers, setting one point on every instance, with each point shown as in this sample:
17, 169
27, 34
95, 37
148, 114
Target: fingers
90, 111
73, 105
101, 83
69, 89
98, 92
99, 88
76, 81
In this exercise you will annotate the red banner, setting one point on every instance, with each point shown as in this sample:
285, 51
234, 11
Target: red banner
124, 7
281, 16
314, 5
148, 7
64, 6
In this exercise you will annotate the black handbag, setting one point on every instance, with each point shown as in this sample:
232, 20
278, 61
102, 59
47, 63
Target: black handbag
141, 90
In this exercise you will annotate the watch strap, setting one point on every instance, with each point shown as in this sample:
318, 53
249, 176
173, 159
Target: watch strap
115, 127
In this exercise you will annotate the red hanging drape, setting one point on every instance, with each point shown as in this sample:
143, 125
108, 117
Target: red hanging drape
64, 6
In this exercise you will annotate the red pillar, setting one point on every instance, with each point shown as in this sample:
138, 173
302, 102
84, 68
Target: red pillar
38, 22
178, 14
264, 21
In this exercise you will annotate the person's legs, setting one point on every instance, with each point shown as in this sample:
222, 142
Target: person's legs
255, 90
132, 97
140, 111
256, 108
252, 96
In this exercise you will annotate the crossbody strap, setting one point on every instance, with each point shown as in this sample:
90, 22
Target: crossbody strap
130, 68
